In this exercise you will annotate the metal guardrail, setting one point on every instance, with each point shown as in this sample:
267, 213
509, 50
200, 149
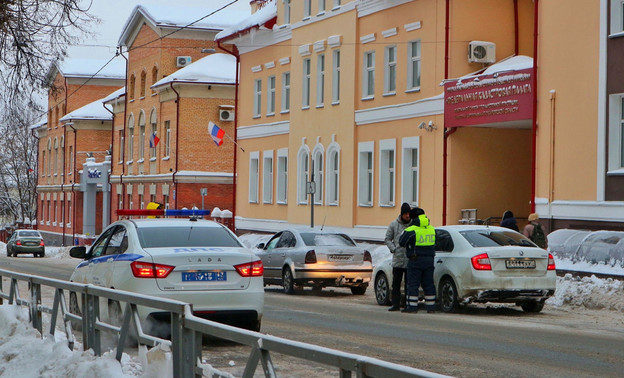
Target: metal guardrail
187, 331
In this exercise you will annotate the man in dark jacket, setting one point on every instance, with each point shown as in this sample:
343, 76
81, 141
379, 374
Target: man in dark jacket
399, 261
509, 221
419, 240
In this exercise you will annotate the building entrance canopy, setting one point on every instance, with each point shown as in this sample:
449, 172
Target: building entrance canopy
502, 95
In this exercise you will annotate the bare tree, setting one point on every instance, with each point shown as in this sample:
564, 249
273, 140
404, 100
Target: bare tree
33, 35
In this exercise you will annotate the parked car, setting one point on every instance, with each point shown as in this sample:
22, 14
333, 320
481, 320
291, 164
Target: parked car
479, 264
300, 257
195, 261
25, 241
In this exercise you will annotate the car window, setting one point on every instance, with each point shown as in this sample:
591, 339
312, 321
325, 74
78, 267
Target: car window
187, 236
489, 238
316, 239
444, 241
118, 242
288, 240
99, 247
29, 234
273, 242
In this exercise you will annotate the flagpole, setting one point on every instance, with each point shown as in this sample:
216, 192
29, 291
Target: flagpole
233, 141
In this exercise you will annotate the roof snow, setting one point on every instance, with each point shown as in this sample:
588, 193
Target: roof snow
115, 95
214, 69
262, 16
115, 69
516, 63
92, 111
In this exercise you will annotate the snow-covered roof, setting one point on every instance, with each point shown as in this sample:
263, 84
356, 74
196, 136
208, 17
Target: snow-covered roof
263, 16
71, 67
92, 111
115, 95
217, 68
164, 16
516, 63
37, 125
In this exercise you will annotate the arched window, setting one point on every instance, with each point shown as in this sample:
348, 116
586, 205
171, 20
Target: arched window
131, 87
153, 129
333, 174
303, 173
142, 135
317, 159
62, 162
154, 76
143, 83
131, 137
49, 156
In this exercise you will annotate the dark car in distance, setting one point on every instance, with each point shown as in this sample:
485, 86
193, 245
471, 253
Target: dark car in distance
26, 242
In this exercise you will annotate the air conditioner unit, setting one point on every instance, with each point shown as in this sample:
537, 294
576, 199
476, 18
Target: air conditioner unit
183, 61
226, 115
481, 52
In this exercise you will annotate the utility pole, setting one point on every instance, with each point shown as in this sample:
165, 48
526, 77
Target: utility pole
311, 189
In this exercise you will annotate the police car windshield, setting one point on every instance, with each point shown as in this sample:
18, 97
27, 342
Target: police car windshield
163, 237
314, 239
487, 238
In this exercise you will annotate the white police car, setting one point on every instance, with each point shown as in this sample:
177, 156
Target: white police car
195, 261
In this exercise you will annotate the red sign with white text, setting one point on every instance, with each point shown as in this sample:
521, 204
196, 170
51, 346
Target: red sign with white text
487, 99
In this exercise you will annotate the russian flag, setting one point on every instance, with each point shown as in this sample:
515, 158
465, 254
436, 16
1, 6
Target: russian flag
154, 140
216, 133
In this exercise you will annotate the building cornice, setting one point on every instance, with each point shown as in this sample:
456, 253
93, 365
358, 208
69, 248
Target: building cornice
421, 108
263, 130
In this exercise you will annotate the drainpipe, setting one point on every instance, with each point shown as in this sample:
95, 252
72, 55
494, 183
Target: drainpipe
447, 132
70, 124
235, 53
63, 180
173, 177
125, 120
110, 187
516, 27
534, 84
37, 176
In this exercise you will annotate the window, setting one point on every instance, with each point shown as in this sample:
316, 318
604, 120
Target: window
368, 80
386, 172
321, 6
131, 87
303, 172
409, 170
166, 200
617, 16
130, 203
131, 137
43, 161
271, 95
141, 202
267, 177
616, 134
70, 215
333, 173
167, 138
42, 211
285, 92
336, 77
121, 146
306, 84
141, 136
317, 161
365, 173
390, 70
413, 65
143, 83
253, 176
154, 76
282, 176
336, 3
189, 236
307, 8
286, 11
257, 103
153, 122
56, 157
118, 242
320, 80
71, 159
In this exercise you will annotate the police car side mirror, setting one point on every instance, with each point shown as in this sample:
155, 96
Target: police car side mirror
78, 252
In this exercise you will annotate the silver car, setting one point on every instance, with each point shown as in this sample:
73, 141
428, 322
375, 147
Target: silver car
311, 257
479, 264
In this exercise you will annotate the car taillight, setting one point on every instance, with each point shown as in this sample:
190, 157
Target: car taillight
368, 257
481, 262
310, 257
148, 270
19, 242
551, 262
41, 243
253, 269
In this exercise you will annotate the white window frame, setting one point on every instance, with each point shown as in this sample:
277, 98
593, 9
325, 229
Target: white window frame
336, 4
131, 138
303, 174
267, 176
271, 95
366, 173
254, 166
71, 160
286, 12
414, 59
307, 9
167, 138
320, 80
321, 7
285, 92
305, 98
153, 130
616, 134
390, 70
257, 100
333, 174
368, 75
617, 17
318, 153
282, 176
142, 136
387, 172
122, 146
336, 77
409, 193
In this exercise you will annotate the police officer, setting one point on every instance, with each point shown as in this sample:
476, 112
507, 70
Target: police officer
419, 240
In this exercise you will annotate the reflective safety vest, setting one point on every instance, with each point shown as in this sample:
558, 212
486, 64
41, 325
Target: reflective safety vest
424, 234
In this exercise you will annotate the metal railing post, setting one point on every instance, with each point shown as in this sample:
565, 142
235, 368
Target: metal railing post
35, 303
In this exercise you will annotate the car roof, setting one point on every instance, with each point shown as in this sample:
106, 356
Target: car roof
174, 222
304, 229
473, 227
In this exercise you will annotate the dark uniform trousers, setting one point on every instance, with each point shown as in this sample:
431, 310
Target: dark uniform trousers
420, 272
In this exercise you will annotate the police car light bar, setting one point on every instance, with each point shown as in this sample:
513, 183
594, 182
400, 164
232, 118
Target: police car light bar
163, 212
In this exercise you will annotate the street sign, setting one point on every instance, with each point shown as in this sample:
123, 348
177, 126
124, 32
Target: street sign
310, 187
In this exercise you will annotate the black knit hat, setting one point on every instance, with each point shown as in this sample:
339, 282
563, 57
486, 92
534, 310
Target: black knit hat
415, 212
405, 208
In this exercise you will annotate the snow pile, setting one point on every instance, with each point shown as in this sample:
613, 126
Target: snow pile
589, 292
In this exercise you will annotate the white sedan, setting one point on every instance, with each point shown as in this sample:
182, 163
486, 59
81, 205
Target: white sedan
479, 264
195, 261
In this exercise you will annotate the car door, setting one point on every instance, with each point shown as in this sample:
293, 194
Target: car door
10, 243
115, 249
271, 270
100, 265
444, 254
283, 252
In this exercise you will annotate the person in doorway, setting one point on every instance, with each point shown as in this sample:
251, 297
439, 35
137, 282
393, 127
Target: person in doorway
509, 221
533, 230
419, 240
399, 260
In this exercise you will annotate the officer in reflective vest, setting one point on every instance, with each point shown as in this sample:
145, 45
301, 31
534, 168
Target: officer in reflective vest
419, 240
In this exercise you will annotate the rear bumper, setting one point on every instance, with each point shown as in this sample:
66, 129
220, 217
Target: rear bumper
333, 277
511, 296
24, 249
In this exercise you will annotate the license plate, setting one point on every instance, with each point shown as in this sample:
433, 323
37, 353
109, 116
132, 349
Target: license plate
337, 258
204, 276
520, 264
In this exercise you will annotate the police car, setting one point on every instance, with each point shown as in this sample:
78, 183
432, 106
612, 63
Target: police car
195, 261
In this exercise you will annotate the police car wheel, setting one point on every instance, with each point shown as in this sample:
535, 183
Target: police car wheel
532, 306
